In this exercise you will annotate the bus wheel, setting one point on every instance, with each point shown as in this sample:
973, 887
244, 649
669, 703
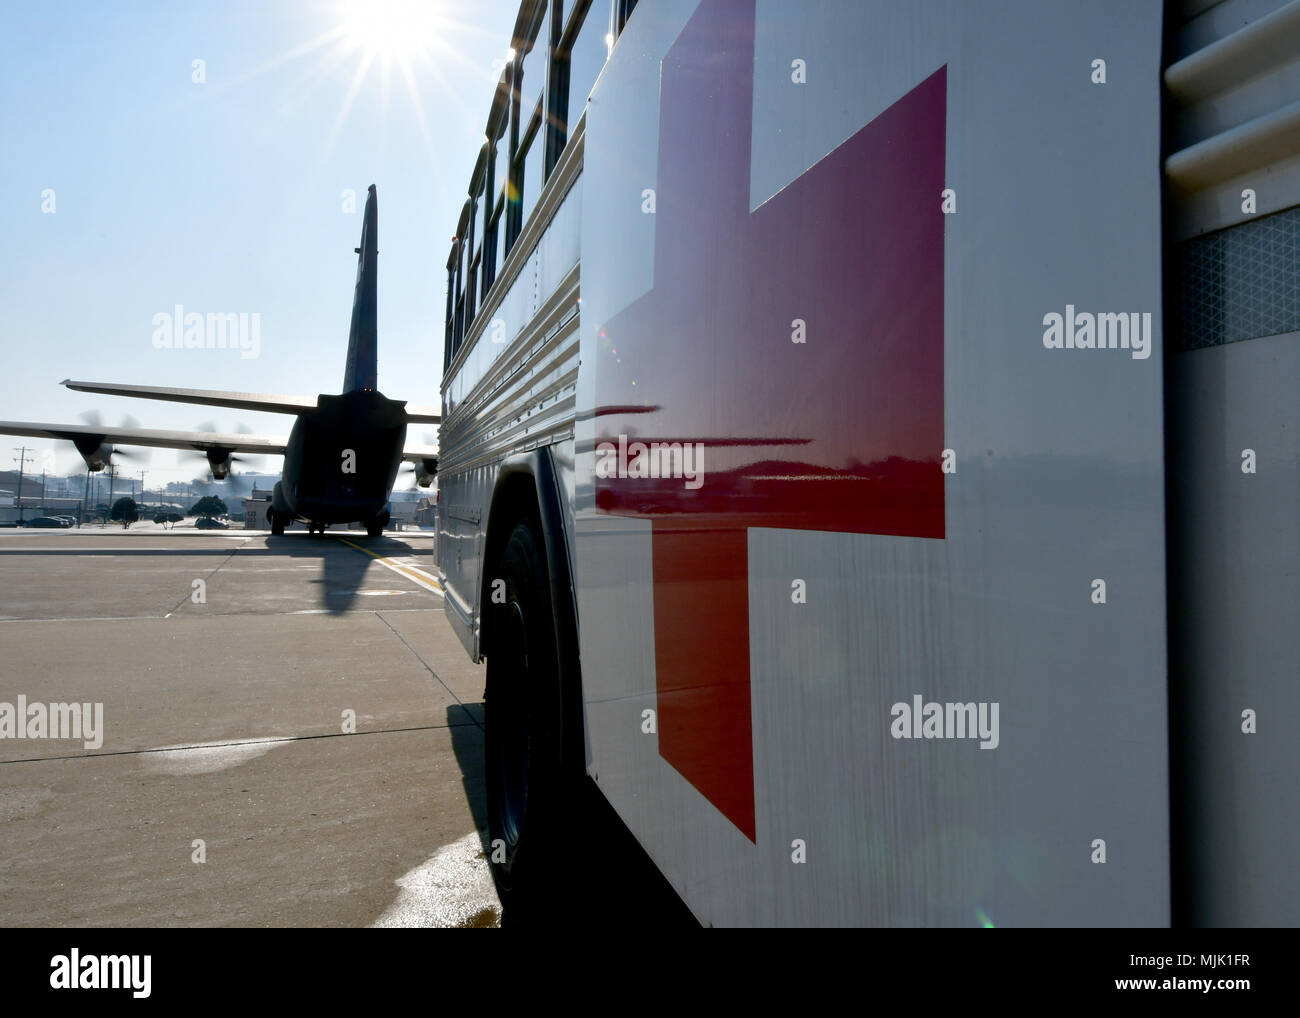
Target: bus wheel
530, 785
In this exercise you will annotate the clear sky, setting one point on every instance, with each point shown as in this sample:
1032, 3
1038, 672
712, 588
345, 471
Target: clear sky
226, 196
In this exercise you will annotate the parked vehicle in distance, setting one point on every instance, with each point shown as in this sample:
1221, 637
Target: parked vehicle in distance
208, 523
45, 523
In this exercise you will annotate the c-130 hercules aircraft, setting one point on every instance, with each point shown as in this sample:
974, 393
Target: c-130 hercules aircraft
343, 453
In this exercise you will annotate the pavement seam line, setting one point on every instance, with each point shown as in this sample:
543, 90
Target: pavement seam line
238, 742
427, 667
226, 561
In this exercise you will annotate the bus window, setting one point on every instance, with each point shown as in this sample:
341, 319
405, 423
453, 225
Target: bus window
586, 53
458, 326
488, 261
470, 301
446, 346
539, 57
500, 164
498, 230
531, 149
462, 259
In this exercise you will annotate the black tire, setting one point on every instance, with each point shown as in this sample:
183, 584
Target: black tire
532, 779
277, 524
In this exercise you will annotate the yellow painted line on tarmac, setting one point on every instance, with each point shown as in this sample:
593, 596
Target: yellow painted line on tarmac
415, 575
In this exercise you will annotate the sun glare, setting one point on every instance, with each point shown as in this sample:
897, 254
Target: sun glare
420, 43
392, 31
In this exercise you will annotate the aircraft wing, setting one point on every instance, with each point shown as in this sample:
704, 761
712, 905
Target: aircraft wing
268, 403
420, 453
199, 441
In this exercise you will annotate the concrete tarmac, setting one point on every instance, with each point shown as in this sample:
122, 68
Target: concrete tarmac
291, 733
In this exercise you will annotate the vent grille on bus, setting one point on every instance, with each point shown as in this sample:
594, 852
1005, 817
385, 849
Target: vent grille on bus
1241, 283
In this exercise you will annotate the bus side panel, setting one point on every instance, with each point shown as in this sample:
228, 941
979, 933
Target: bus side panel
1233, 446
511, 388
463, 497
1237, 542
1042, 594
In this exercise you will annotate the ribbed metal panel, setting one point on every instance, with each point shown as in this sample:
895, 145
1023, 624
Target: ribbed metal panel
1233, 112
526, 399
511, 386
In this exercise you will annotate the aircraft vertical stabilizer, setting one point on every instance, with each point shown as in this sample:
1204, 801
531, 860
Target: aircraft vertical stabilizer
363, 340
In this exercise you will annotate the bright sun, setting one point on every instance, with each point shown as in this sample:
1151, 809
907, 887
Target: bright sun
420, 43
392, 31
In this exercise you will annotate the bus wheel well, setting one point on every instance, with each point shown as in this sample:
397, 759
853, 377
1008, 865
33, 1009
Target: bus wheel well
527, 489
515, 498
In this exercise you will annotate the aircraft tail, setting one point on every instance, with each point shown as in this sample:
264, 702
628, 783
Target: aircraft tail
363, 341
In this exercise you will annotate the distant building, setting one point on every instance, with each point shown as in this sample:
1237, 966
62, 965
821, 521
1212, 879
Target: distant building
403, 514
35, 505
426, 513
255, 507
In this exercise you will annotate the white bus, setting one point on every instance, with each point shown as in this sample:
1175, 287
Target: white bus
870, 454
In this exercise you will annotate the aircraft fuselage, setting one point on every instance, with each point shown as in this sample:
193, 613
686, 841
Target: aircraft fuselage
342, 459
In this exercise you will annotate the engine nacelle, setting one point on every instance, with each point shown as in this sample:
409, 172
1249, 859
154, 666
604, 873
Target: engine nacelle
94, 450
425, 471
219, 462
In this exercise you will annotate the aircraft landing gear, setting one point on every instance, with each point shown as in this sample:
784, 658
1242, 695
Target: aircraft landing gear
375, 528
277, 524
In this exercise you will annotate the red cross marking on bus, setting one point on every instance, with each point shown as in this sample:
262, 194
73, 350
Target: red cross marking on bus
841, 432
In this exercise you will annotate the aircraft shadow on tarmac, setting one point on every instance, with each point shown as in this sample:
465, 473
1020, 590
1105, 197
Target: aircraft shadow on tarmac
344, 568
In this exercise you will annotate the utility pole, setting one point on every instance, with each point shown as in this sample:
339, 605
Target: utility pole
42, 492
22, 459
